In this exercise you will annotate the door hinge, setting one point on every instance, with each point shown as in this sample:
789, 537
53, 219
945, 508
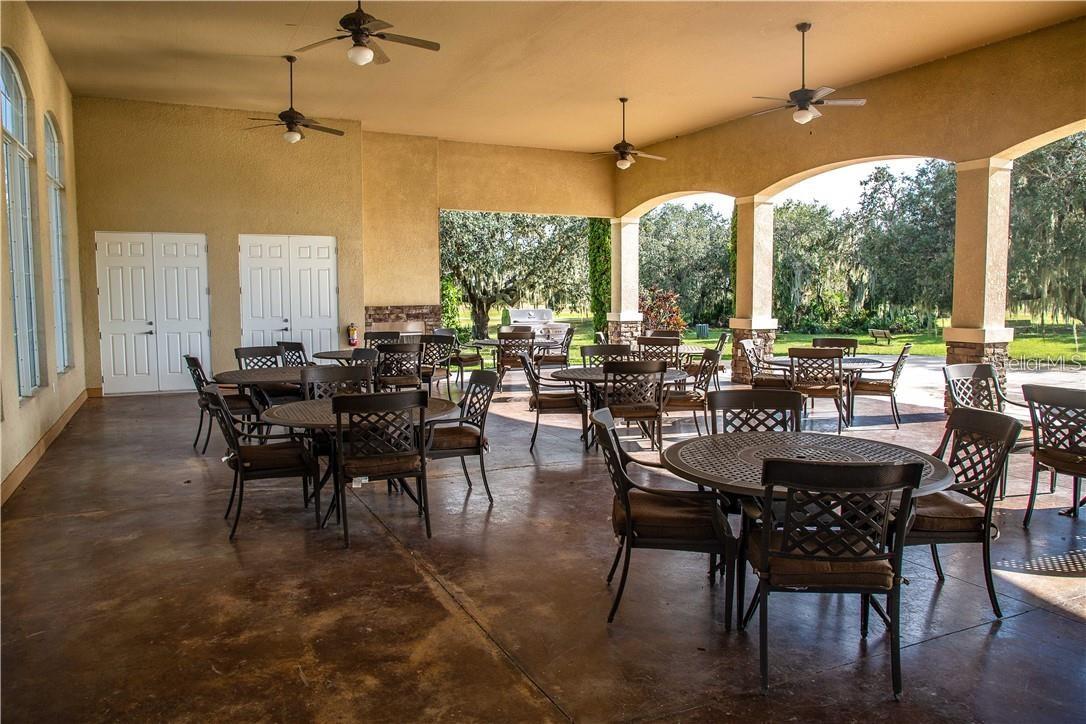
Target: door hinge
98, 291
103, 379
99, 335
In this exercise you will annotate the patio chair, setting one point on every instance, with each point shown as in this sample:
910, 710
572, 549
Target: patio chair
818, 374
848, 344
463, 355
551, 358
437, 350
760, 374
863, 385
597, 355
261, 461
975, 445
293, 354
662, 519
364, 356
239, 405
601, 338
380, 438
320, 382
399, 366
261, 358
511, 345
694, 398
665, 349
830, 528
693, 363
375, 339
754, 410
549, 398
465, 436
1059, 440
634, 391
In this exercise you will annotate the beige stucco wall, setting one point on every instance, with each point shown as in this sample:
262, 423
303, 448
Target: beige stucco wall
986, 102
158, 167
26, 421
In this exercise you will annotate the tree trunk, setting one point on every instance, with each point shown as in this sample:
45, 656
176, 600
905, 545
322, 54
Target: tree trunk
480, 317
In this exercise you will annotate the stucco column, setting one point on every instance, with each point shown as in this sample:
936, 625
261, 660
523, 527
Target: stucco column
978, 331
624, 320
753, 281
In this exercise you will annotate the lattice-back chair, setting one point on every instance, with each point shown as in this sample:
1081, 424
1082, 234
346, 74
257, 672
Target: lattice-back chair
556, 358
831, 528
399, 366
818, 374
320, 382
252, 457
634, 391
380, 439
873, 382
261, 358
975, 446
365, 356
644, 517
464, 355
437, 351
693, 362
672, 333
375, 339
597, 355
693, 399
511, 345
665, 349
601, 338
465, 436
755, 410
293, 354
552, 398
1058, 417
239, 405
848, 344
760, 374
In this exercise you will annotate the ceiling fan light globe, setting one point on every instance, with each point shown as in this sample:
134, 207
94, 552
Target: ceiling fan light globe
624, 163
292, 136
360, 55
802, 116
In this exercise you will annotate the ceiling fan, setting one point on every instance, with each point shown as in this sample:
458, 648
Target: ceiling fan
624, 151
292, 119
362, 28
803, 99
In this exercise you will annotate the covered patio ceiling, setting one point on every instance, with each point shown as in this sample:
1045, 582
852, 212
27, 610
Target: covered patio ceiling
527, 74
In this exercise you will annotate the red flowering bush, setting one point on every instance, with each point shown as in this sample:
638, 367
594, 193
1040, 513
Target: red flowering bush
660, 308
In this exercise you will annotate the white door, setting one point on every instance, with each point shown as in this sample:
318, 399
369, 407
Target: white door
265, 289
314, 316
182, 325
126, 312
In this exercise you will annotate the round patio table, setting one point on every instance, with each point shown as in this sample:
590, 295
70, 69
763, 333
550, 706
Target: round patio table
318, 415
594, 375
539, 343
732, 462
343, 356
685, 350
265, 376
848, 364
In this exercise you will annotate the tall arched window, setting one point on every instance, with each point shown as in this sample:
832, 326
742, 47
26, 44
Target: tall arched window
17, 191
54, 172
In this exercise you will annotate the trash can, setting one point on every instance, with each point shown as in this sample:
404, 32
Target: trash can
701, 331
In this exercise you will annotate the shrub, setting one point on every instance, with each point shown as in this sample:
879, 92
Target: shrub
661, 310
599, 271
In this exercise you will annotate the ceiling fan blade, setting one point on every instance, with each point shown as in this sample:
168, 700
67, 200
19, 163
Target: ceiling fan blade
844, 102
821, 93
408, 40
380, 57
814, 112
770, 98
770, 110
324, 129
320, 42
642, 154
374, 25
262, 119
604, 153
266, 125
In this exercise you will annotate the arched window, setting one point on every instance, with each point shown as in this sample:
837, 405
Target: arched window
17, 191
54, 173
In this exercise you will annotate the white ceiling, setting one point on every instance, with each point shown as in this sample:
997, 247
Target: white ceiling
542, 74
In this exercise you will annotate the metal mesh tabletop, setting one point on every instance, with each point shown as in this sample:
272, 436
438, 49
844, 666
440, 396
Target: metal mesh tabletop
538, 344
594, 375
267, 376
336, 354
318, 415
732, 462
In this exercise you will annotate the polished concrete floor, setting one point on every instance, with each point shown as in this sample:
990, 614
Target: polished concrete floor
122, 598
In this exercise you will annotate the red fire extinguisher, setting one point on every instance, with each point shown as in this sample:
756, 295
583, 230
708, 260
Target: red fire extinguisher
352, 334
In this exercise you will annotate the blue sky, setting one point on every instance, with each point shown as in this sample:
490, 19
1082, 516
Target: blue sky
838, 189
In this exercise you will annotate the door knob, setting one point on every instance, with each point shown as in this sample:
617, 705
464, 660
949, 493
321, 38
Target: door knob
285, 329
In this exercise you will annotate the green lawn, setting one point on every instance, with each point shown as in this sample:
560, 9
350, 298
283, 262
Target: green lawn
1028, 343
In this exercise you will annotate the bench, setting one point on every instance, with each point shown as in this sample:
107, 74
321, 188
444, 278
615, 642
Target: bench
878, 334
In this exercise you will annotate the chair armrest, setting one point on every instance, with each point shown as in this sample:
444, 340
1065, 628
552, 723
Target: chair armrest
692, 495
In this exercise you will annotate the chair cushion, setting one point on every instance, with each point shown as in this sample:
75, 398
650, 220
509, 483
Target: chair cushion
551, 359
944, 513
449, 437
819, 390
429, 373
281, 389
664, 516
400, 381
769, 381
382, 466
556, 401
877, 386
692, 368
465, 358
822, 574
639, 411
685, 401
282, 456
1062, 461
239, 405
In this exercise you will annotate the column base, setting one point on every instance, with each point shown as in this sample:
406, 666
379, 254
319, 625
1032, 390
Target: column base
623, 332
764, 337
990, 352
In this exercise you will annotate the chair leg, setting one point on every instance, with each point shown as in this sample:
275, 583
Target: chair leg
233, 492
535, 430
341, 512
621, 581
1032, 494
305, 491
729, 588
207, 436
464, 464
865, 613
317, 485
486, 483
618, 555
894, 603
697, 425
424, 499
763, 635
237, 511
988, 580
712, 569
1052, 481
1076, 495
896, 412
935, 560
199, 429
